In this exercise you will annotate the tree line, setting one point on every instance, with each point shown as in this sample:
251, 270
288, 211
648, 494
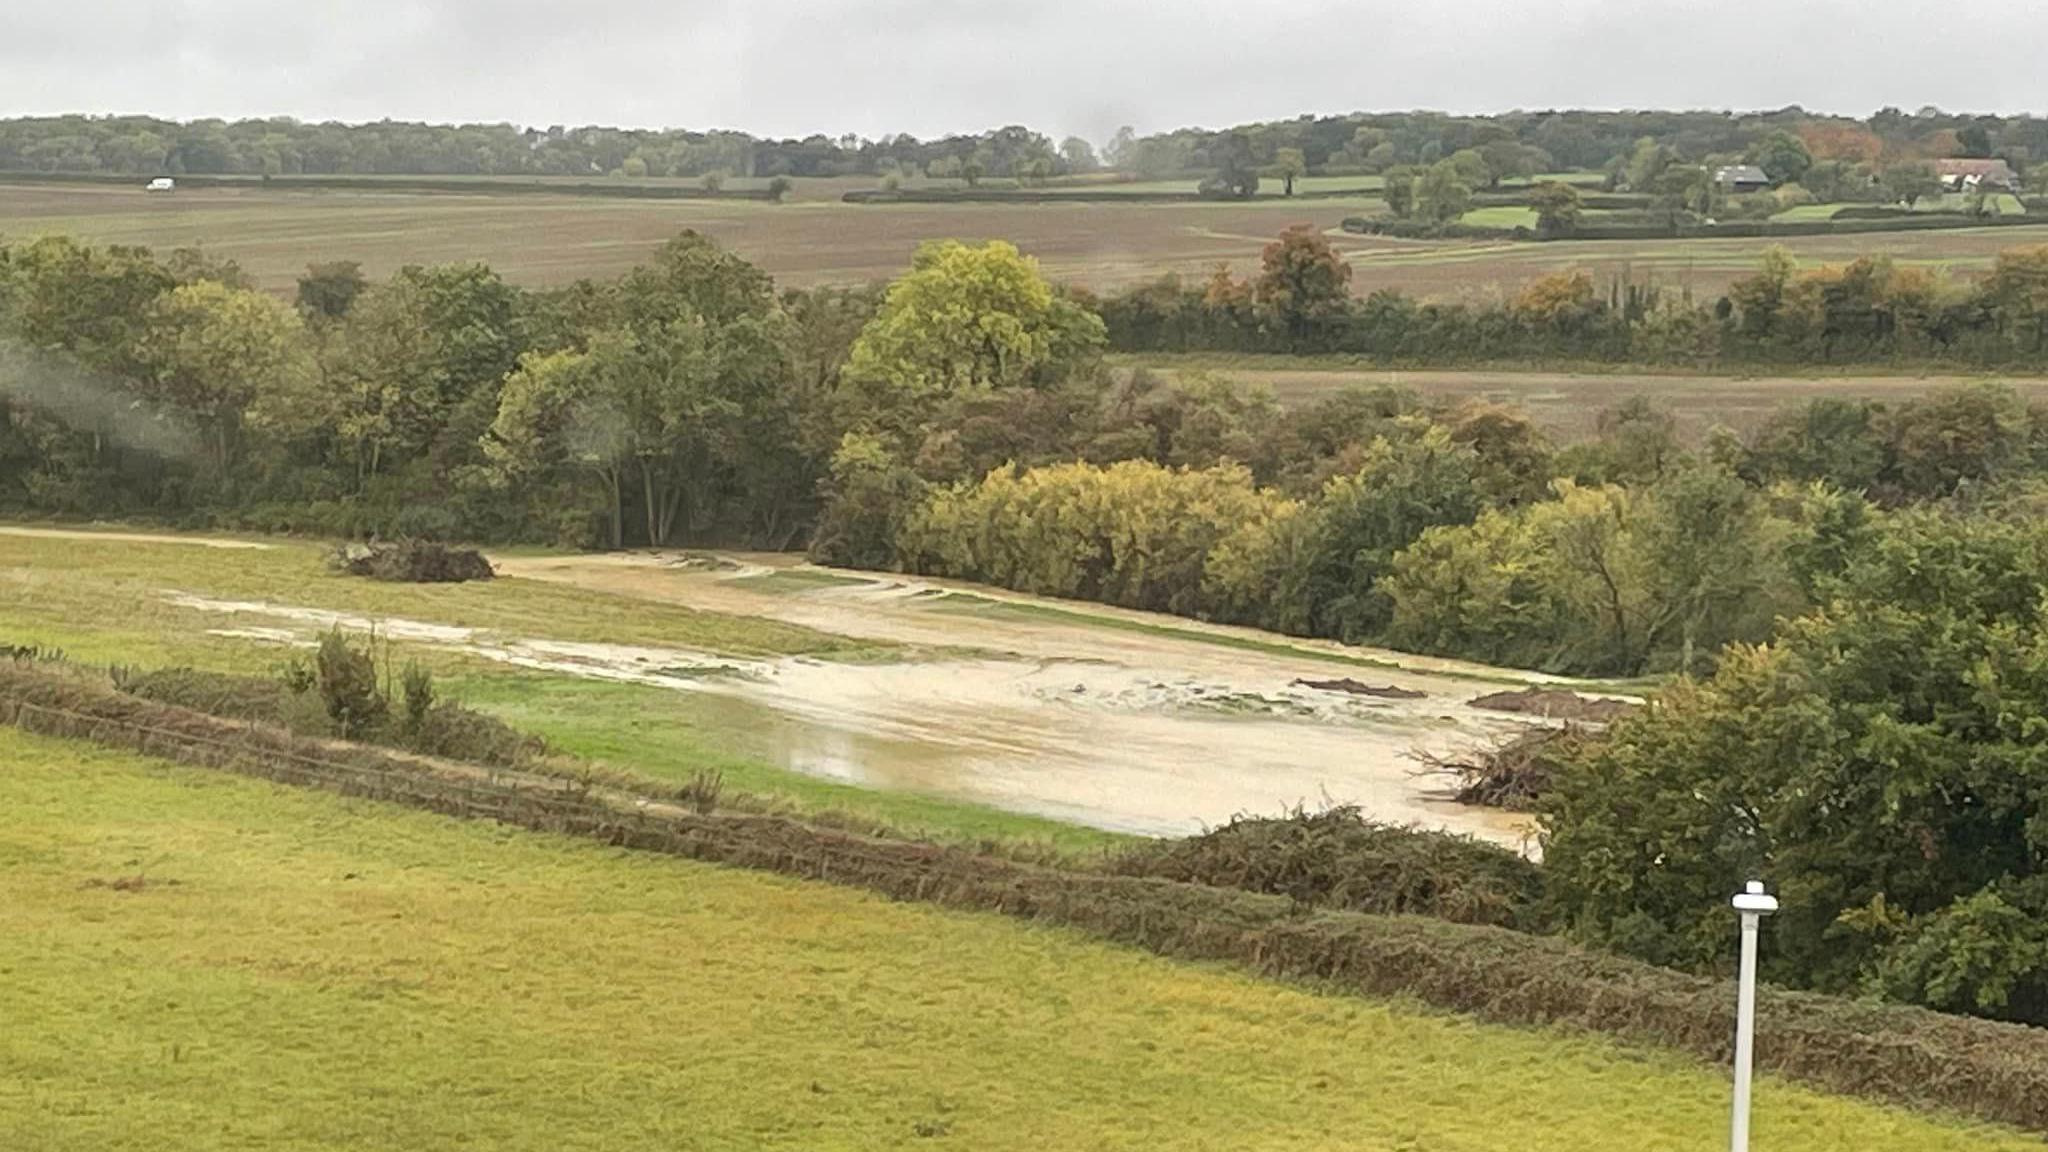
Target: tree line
282, 146
1868, 311
1632, 146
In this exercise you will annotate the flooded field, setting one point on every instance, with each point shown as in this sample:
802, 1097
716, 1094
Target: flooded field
1109, 718
1116, 719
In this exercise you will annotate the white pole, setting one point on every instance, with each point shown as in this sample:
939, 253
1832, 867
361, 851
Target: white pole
1753, 906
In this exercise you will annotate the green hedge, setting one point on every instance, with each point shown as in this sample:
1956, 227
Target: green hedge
1908, 1055
1106, 194
1906, 222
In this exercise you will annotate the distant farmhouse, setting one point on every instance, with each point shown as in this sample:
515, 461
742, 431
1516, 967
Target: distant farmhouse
1964, 175
1741, 178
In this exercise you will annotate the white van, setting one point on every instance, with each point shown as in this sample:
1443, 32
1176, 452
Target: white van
161, 184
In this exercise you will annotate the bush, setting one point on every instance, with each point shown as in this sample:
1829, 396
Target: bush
337, 693
413, 562
215, 693
346, 678
1338, 859
456, 732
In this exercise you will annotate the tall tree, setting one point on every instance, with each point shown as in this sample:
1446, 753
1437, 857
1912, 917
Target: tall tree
1442, 194
220, 356
1397, 188
1303, 284
964, 319
1557, 208
1782, 156
328, 290
1290, 165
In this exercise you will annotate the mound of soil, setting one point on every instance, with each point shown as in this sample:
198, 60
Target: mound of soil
414, 562
1359, 688
1555, 704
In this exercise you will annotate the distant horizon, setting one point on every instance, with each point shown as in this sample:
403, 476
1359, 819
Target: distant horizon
939, 67
524, 126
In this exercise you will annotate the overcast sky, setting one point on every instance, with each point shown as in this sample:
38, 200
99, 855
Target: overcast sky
792, 67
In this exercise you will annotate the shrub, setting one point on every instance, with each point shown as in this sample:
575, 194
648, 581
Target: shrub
703, 789
457, 732
419, 696
1337, 858
346, 677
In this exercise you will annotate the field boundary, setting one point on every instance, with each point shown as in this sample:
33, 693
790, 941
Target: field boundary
479, 186
1994, 1071
1104, 195
1409, 229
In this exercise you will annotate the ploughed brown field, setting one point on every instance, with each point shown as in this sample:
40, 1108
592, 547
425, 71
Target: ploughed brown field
544, 239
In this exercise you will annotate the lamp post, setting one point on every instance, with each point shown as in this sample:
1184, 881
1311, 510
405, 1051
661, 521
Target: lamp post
1753, 905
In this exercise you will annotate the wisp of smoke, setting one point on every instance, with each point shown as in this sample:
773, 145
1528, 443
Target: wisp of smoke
89, 402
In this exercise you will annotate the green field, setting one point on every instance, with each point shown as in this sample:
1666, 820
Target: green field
1500, 216
1809, 212
284, 969
545, 239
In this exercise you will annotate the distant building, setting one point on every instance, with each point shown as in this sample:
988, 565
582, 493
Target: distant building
1963, 175
1741, 178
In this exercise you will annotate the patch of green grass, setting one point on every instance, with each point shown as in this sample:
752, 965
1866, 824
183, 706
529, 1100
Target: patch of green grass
979, 605
788, 581
2003, 203
1809, 212
301, 971
1500, 216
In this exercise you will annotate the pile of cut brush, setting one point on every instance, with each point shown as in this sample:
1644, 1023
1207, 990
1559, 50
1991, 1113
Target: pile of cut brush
1511, 773
412, 562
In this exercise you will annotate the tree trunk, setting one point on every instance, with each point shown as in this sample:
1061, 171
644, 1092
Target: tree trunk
669, 507
656, 530
618, 509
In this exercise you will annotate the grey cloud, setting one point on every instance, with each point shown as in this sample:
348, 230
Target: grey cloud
930, 66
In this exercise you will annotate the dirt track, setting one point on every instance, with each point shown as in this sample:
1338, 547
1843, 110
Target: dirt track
129, 537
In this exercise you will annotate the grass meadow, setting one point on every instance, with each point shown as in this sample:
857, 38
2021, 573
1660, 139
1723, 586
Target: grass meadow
259, 967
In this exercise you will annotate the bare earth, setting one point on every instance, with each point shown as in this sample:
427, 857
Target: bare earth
1075, 718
